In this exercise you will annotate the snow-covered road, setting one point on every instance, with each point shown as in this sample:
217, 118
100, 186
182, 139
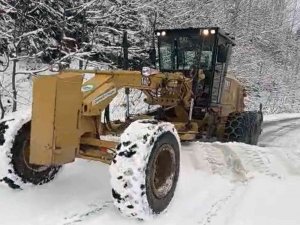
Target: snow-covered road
210, 189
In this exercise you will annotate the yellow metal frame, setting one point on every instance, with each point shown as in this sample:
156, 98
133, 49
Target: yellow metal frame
66, 115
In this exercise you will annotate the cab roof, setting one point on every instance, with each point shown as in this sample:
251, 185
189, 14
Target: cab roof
193, 30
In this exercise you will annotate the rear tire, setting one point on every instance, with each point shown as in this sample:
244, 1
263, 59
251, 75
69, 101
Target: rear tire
243, 127
145, 170
255, 131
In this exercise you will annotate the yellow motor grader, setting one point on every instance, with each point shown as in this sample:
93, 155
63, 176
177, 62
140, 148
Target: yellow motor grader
195, 99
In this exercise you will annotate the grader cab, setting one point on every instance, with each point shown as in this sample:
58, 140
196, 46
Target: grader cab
195, 100
197, 53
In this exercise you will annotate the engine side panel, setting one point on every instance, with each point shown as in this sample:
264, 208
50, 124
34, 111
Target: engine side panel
232, 99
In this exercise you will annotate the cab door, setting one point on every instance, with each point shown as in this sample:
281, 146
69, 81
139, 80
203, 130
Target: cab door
220, 70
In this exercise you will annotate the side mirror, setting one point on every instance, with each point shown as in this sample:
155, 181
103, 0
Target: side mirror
222, 54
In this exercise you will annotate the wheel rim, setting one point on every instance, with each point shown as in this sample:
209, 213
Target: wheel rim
163, 174
26, 153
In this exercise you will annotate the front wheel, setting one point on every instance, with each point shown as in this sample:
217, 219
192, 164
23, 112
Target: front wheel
29, 173
14, 151
145, 170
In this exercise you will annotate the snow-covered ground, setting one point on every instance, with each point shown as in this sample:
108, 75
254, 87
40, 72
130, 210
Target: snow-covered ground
234, 184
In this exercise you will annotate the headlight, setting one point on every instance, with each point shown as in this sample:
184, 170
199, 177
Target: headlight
212, 31
163, 33
205, 32
158, 33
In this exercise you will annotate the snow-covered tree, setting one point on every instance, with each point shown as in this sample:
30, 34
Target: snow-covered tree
90, 32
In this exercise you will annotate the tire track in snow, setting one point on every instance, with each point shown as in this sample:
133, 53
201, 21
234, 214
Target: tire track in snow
218, 158
219, 205
80, 218
240, 159
254, 159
